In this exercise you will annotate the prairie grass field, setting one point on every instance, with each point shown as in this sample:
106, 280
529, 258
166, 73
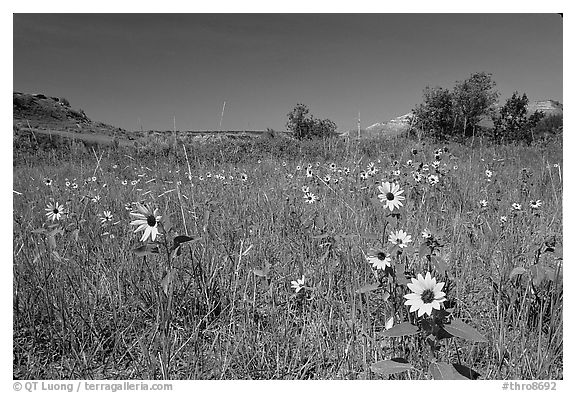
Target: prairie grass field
289, 266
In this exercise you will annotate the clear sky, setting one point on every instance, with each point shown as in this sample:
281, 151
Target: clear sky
126, 68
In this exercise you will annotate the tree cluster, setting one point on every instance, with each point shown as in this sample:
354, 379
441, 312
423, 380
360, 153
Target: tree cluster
304, 126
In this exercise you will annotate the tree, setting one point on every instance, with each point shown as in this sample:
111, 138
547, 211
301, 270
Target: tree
305, 126
473, 98
435, 116
512, 122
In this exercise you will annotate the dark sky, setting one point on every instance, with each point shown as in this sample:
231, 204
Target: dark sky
124, 67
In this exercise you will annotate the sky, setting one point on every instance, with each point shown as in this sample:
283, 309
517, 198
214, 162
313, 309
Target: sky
149, 70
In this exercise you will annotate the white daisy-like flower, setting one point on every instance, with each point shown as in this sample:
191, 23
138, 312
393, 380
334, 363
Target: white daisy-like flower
310, 198
146, 220
426, 295
308, 172
488, 173
536, 204
305, 189
298, 284
483, 203
48, 182
503, 219
516, 206
400, 238
378, 259
327, 178
426, 234
55, 211
243, 177
106, 217
433, 179
391, 195
363, 175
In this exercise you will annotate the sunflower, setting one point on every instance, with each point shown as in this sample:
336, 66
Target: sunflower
146, 220
391, 195
379, 259
426, 295
400, 238
55, 211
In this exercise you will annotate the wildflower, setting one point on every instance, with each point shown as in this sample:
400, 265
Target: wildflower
146, 220
409, 163
426, 234
503, 219
391, 195
433, 179
96, 198
74, 185
488, 173
455, 167
298, 284
327, 178
55, 211
284, 163
378, 259
243, 177
483, 203
414, 152
93, 178
426, 295
201, 178
435, 164
310, 198
400, 238
425, 167
516, 206
333, 166
67, 184
298, 168
208, 175
134, 182
363, 175
396, 172
106, 217
114, 166
305, 189
124, 182
417, 176
535, 204
48, 182
308, 172
437, 157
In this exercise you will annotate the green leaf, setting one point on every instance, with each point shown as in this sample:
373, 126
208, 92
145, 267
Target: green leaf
368, 288
423, 250
465, 371
444, 371
517, 271
167, 280
401, 330
146, 249
182, 239
458, 328
391, 366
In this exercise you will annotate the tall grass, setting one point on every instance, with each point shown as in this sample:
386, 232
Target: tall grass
85, 306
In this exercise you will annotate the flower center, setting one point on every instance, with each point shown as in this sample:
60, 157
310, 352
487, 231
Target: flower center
381, 256
389, 196
427, 296
55, 211
399, 241
151, 220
